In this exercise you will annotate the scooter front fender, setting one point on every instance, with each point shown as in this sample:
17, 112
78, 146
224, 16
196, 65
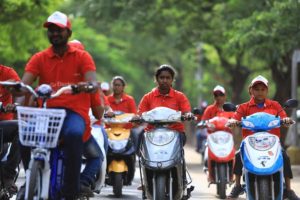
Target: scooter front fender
117, 166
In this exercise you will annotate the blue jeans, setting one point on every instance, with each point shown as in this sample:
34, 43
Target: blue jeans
94, 158
71, 133
105, 138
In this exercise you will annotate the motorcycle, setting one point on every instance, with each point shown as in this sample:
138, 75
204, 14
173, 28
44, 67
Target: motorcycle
121, 152
161, 158
261, 155
220, 153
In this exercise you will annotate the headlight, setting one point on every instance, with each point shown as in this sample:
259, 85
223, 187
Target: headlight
248, 124
274, 123
220, 138
262, 143
161, 138
117, 144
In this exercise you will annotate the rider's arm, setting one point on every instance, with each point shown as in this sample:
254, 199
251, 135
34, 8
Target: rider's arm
28, 78
132, 105
144, 105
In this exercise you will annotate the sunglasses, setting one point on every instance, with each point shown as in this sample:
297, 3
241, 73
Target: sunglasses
219, 95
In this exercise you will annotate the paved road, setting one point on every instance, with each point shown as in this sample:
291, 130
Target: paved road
201, 191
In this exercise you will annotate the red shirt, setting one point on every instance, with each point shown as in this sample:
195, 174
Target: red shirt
7, 74
211, 111
126, 105
175, 100
60, 71
250, 107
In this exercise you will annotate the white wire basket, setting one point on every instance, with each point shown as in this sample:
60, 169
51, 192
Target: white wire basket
40, 127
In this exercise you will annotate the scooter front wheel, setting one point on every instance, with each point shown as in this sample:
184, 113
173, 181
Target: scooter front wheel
35, 180
264, 192
118, 184
160, 186
221, 184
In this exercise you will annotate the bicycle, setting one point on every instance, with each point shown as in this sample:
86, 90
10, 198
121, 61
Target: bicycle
40, 128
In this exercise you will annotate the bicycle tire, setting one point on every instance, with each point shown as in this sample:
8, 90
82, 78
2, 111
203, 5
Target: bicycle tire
35, 180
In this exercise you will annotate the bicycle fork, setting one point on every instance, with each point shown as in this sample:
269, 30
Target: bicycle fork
43, 155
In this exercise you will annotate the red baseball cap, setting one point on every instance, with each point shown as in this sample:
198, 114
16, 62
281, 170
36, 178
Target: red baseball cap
59, 19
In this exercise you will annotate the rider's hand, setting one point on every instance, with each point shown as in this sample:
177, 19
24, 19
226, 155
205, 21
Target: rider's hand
87, 87
109, 114
232, 123
201, 124
10, 107
287, 121
136, 119
188, 116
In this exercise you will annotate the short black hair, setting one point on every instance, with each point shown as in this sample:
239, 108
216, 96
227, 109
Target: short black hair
165, 67
120, 78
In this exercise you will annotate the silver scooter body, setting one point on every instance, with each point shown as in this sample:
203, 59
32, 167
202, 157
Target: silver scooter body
162, 156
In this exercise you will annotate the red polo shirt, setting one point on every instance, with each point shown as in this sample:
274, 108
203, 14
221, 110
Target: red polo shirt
7, 74
60, 71
175, 100
126, 105
250, 107
211, 111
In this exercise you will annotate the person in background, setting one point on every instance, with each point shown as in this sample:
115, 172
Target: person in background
217, 107
201, 133
9, 131
212, 111
119, 100
91, 150
259, 102
105, 88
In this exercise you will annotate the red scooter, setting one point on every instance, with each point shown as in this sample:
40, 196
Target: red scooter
220, 153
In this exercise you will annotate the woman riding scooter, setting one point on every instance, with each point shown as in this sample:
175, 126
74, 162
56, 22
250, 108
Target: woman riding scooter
164, 95
121, 161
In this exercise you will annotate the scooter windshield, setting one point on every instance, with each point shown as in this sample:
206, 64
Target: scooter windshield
161, 115
261, 121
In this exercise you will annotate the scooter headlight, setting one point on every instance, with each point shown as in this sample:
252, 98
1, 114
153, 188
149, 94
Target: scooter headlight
117, 144
248, 124
262, 143
220, 138
161, 138
274, 123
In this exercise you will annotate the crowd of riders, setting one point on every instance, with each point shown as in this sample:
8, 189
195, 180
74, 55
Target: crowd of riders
66, 63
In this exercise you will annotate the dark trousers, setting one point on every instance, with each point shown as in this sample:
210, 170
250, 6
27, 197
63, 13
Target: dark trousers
9, 131
287, 170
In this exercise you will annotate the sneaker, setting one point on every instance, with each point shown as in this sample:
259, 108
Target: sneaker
21, 193
86, 191
10, 185
290, 194
236, 191
140, 187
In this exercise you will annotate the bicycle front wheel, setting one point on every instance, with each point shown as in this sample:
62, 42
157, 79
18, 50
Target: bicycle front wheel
35, 180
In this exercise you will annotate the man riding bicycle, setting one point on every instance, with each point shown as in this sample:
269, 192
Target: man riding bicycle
60, 65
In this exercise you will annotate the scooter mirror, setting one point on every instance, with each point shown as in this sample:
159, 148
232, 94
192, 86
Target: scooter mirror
229, 107
198, 111
291, 103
